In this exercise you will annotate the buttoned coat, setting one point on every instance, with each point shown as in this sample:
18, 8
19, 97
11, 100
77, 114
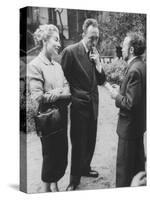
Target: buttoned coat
83, 78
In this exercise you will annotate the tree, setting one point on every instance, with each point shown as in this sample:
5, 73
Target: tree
59, 11
118, 24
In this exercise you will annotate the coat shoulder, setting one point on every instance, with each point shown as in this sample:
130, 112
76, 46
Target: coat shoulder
72, 47
138, 66
35, 62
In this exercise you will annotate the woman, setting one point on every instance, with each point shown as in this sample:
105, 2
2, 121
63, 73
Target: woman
48, 85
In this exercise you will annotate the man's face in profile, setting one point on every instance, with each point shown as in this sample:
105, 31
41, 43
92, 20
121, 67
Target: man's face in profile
126, 48
91, 37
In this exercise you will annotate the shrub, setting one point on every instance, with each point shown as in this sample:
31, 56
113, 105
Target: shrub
115, 71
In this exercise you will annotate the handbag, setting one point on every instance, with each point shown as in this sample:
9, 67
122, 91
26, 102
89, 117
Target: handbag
48, 122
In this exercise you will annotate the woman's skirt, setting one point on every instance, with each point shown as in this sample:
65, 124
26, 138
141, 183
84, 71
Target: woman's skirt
55, 154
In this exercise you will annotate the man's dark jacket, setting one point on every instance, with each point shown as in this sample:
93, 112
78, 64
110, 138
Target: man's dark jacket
83, 78
131, 123
132, 101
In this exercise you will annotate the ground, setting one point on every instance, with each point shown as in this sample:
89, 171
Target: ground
104, 159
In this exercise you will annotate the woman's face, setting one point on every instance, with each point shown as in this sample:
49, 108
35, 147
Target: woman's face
53, 44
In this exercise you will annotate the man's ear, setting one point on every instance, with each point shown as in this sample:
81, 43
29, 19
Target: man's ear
83, 34
43, 42
132, 50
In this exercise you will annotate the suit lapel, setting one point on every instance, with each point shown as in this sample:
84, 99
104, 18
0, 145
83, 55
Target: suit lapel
84, 62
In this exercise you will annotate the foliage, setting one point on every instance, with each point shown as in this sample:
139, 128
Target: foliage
31, 112
28, 110
114, 28
115, 71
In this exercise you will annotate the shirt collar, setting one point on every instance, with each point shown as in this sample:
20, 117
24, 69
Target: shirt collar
131, 59
86, 49
45, 59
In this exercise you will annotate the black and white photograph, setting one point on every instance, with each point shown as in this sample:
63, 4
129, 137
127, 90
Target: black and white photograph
82, 99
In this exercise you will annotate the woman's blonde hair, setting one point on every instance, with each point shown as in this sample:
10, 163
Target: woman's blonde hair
44, 32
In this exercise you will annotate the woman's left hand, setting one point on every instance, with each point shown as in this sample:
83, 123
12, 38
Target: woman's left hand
54, 95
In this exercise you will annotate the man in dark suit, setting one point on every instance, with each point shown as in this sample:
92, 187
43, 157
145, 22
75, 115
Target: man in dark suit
84, 72
132, 116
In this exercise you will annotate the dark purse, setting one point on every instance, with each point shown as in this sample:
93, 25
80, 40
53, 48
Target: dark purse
48, 122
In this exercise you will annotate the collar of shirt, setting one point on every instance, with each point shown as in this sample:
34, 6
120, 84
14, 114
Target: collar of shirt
86, 49
131, 59
45, 59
